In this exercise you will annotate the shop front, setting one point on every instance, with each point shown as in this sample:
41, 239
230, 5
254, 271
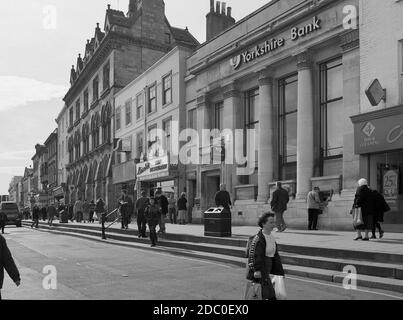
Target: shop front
158, 173
379, 142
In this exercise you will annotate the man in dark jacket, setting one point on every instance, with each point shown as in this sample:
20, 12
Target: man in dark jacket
141, 205
223, 198
44, 213
52, 212
163, 203
7, 262
278, 205
153, 215
381, 207
126, 208
3, 221
35, 217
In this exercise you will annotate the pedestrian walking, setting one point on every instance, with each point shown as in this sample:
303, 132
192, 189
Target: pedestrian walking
78, 210
126, 209
162, 202
364, 200
100, 209
62, 212
381, 207
86, 211
153, 216
172, 209
92, 211
51, 212
182, 208
7, 263
314, 208
3, 221
263, 257
35, 216
141, 205
223, 198
44, 213
278, 205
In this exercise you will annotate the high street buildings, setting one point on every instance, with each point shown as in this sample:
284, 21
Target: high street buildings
304, 78
127, 46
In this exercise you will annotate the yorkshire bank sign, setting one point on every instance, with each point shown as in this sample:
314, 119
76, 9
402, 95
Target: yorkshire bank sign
274, 44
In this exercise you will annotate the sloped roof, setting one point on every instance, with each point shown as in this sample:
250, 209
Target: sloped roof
184, 36
118, 18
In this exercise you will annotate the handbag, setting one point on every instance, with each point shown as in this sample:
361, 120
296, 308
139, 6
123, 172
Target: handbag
253, 291
357, 217
279, 287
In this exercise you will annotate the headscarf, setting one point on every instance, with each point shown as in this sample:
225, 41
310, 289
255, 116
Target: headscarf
362, 182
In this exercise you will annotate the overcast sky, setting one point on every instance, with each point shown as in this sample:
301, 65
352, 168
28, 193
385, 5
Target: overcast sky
36, 55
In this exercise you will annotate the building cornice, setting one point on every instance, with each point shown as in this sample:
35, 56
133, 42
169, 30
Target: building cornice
350, 40
377, 114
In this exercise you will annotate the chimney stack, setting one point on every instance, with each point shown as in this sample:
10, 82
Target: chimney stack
218, 19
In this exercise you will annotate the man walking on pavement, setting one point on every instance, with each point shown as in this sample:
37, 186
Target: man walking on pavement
3, 221
35, 216
51, 213
126, 207
279, 206
223, 198
7, 263
162, 202
141, 205
153, 216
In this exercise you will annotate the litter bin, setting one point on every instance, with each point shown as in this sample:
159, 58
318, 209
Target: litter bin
64, 216
217, 222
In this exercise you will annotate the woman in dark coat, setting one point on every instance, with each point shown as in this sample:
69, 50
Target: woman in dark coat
264, 258
7, 263
364, 199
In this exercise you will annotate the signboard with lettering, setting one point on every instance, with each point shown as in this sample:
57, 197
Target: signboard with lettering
153, 169
379, 135
391, 184
273, 44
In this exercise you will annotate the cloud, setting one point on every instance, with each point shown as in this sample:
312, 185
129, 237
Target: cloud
17, 155
18, 91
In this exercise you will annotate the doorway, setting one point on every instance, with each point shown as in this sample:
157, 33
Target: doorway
210, 186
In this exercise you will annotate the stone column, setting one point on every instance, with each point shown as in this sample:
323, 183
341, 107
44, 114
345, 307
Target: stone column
351, 87
305, 139
232, 107
266, 134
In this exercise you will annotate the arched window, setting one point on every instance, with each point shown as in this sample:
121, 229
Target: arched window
77, 145
71, 149
95, 123
106, 121
85, 133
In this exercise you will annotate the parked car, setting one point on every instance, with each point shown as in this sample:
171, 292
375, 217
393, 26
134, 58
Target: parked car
14, 217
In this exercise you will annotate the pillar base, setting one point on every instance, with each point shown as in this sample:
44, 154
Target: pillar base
301, 196
262, 199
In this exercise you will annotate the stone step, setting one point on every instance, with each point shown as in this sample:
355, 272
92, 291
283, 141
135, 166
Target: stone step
294, 270
387, 270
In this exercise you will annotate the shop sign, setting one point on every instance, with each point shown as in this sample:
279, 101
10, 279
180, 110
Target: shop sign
379, 135
391, 184
155, 168
273, 44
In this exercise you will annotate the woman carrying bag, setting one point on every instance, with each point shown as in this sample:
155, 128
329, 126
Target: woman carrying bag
363, 210
263, 261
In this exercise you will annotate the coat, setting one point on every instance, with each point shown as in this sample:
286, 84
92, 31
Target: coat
279, 200
52, 212
313, 200
127, 207
259, 261
381, 206
100, 207
163, 203
222, 198
141, 205
7, 263
78, 207
153, 215
365, 200
35, 213
182, 204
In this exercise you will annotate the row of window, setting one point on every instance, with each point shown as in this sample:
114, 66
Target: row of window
150, 95
95, 95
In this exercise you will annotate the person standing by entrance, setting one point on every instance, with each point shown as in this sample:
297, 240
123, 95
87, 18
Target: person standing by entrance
172, 209
7, 263
182, 208
223, 198
100, 209
313, 201
153, 216
278, 205
126, 207
141, 205
381, 207
92, 211
162, 202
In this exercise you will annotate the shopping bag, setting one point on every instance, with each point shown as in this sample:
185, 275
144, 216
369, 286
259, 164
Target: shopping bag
357, 217
279, 287
253, 291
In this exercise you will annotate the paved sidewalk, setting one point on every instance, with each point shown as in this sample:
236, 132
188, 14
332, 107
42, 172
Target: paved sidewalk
392, 243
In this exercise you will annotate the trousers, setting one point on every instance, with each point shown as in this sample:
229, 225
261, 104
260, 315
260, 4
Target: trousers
280, 219
141, 224
313, 215
153, 234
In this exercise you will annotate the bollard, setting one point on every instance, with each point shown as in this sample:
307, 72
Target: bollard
103, 226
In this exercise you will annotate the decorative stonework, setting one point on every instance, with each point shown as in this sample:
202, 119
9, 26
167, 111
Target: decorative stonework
202, 100
265, 80
231, 91
304, 60
350, 40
